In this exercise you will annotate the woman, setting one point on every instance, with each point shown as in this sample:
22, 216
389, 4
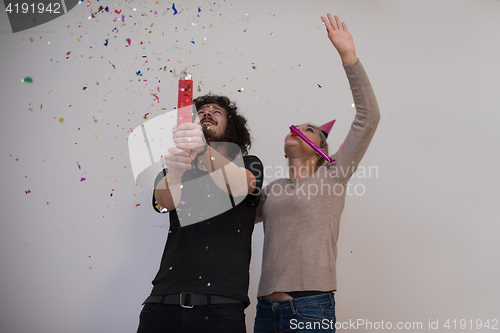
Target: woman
301, 214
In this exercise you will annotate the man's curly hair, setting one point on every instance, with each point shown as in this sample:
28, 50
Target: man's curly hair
237, 131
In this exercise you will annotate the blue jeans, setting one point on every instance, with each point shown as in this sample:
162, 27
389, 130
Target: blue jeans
304, 314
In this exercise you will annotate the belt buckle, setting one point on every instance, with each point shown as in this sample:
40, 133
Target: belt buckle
191, 296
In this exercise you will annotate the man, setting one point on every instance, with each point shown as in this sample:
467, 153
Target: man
202, 283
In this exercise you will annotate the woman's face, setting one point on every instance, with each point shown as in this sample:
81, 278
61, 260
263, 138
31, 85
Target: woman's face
295, 146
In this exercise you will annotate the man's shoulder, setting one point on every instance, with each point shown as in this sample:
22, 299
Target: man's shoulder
253, 164
251, 158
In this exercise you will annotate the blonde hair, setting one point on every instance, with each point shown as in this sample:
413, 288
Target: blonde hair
324, 146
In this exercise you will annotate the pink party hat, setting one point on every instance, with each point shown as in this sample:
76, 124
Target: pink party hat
327, 127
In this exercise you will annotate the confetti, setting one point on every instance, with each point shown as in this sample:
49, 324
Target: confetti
319, 85
199, 9
61, 120
173, 7
118, 12
28, 192
128, 41
79, 167
27, 79
156, 98
112, 65
106, 44
82, 179
137, 205
138, 73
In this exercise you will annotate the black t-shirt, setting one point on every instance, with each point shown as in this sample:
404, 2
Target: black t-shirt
211, 256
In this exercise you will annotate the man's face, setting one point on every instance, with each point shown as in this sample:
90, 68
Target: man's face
213, 121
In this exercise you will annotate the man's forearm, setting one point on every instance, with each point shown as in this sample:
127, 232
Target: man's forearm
168, 191
226, 172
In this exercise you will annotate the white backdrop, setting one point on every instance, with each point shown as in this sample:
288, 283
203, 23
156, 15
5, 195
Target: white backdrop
419, 244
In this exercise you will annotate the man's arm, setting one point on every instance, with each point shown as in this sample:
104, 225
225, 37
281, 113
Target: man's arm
236, 181
168, 191
258, 215
229, 177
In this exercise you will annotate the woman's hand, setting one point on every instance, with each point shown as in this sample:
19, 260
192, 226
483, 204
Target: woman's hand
341, 39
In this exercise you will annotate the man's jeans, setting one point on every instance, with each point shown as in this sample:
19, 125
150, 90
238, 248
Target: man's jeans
304, 314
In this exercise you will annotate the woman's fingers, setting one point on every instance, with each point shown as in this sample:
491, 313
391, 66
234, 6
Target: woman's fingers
334, 22
327, 24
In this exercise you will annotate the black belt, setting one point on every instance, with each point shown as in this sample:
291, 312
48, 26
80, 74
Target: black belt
188, 300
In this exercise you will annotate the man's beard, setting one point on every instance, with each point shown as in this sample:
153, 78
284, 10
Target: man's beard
224, 146
211, 136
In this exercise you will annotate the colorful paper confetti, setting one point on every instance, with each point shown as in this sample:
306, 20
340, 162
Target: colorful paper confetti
27, 79
173, 7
